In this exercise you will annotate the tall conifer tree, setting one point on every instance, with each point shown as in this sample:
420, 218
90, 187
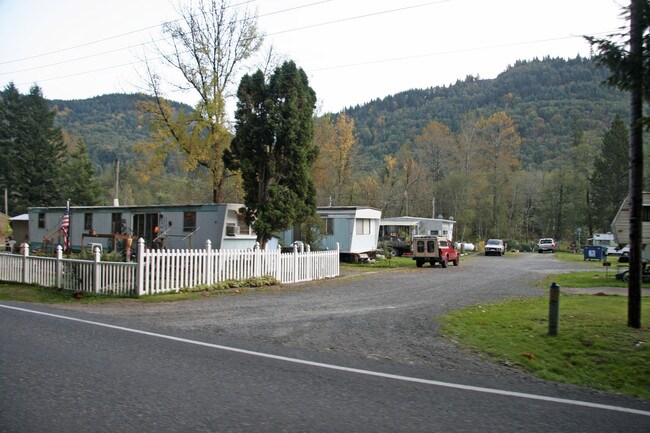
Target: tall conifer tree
32, 148
273, 149
610, 179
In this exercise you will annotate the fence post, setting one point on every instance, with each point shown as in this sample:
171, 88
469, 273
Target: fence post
209, 264
337, 262
96, 270
295, 263
309, 262
278, 263
59, 267
140, 288
25, 267
257, 262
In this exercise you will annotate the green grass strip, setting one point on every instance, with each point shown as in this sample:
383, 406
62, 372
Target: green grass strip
594, 346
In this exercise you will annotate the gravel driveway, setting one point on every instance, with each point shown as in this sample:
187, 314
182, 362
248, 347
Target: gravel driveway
384, 315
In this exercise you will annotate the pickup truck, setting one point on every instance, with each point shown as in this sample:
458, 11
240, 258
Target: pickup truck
434, 249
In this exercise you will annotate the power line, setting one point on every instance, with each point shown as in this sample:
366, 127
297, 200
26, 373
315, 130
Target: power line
361, 16
168, 22
440, 53
97, 41
319, 69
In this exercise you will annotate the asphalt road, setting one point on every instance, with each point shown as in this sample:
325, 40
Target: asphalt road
354, 354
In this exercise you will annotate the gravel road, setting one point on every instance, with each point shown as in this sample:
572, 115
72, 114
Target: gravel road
384, 315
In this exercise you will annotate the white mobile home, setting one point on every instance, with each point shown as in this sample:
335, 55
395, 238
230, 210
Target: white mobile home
621, 224
173, 226
406, 227
353, 228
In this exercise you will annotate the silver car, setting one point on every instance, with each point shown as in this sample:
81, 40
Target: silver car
546, 244
495, 246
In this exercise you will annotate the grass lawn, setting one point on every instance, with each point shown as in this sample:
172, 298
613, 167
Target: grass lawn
593, 348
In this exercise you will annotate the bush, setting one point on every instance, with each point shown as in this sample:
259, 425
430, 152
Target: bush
263, 281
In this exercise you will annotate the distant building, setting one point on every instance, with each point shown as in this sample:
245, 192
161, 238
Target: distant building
407, 227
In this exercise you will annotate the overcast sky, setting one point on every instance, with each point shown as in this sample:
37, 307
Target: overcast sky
353, 51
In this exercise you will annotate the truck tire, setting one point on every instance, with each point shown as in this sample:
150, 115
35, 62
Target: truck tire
443, 262
456, 261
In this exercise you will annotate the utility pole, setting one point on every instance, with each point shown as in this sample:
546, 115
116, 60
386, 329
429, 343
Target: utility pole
636, 70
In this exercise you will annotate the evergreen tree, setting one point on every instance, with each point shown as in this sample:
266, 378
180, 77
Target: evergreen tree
610, 179
33, 149
77, 178
273, 149
10, 114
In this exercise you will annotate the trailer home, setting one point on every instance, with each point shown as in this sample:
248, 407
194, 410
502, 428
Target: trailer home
621, 224
353, 228
407, 227
172, 227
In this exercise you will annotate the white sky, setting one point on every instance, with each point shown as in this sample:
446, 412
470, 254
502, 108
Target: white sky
353, 51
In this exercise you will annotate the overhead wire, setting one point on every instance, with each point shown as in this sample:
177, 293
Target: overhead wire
324, 68
97, 41
356, 17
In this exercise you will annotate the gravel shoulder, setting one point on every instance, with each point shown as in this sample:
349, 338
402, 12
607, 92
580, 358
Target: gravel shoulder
384, 315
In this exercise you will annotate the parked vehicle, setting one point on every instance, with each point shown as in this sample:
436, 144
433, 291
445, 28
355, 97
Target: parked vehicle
434, 249
618, 251
495, 246
546, 244
394, 245
625, 275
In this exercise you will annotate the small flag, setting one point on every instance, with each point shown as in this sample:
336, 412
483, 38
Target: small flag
65, 228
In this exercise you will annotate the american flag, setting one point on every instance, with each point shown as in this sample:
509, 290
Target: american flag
65, 228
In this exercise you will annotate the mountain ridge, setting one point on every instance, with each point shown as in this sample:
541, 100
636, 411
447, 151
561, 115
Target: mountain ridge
547, 99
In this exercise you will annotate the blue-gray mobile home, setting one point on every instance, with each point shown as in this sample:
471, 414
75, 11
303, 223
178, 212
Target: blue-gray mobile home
172, 227
353, 228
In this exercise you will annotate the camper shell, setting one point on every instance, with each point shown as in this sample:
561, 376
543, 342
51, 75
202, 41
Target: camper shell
434, 249
606, 241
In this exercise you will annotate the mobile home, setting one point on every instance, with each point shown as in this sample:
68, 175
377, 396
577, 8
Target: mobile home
172, 227
621, 224
353, 228
407, 227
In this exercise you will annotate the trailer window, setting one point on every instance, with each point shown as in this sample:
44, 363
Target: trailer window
189, 221
41, 220
88, 221
328, 226
646, 213
363, 226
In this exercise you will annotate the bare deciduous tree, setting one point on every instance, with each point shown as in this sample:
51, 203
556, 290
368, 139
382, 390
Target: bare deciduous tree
209, 45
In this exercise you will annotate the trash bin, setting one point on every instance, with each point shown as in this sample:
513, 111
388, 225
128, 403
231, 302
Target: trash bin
594, 252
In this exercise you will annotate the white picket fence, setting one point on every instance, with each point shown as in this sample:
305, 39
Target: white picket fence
160, 271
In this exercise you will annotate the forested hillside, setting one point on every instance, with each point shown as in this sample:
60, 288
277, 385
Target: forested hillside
513, 157
109, 125
547, 99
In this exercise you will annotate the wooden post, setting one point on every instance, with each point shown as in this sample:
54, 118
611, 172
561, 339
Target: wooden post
553, 309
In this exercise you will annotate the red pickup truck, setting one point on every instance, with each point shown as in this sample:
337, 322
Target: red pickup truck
434, 249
